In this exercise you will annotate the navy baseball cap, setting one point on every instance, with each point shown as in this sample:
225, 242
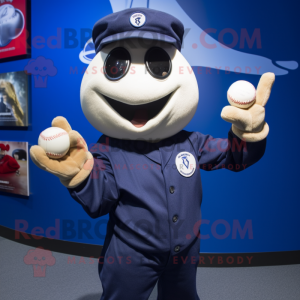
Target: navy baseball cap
142, 23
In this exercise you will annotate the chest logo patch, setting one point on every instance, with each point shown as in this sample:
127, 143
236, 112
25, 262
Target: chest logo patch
185, 163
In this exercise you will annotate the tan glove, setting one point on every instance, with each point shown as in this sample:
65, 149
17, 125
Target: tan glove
75, 166
249, 124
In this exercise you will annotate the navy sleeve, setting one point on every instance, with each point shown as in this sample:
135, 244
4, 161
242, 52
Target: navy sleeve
232, 153
98, 194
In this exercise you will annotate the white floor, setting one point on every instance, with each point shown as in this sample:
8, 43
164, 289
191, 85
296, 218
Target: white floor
79, 280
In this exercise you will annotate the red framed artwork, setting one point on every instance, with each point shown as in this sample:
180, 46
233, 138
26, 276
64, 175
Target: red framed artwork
14, 29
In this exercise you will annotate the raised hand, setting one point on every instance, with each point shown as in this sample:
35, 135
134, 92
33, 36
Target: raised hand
249, 124
75, 166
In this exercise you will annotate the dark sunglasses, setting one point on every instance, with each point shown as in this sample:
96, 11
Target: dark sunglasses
117, 63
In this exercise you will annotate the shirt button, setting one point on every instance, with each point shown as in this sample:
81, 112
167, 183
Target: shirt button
177, 249
175, 218
172, 189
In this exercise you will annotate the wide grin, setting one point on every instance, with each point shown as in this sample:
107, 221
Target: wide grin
138, 115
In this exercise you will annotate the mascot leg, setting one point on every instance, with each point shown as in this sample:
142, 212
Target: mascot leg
129, 274
178, 281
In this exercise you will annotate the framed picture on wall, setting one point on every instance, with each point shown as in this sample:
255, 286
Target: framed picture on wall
14, 99
14, 175
14, 30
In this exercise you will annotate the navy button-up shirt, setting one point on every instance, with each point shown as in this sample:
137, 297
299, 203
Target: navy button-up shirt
138, 184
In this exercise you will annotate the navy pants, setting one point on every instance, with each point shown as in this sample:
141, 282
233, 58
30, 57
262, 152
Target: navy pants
127, 274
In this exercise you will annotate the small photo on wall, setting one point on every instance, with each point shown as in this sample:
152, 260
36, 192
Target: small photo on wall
14, 175
14, 99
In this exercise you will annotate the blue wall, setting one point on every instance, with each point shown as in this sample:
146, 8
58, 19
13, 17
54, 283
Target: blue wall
264, 196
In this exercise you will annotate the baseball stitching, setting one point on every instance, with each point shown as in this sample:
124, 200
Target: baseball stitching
52, 137
240, 102
54, 154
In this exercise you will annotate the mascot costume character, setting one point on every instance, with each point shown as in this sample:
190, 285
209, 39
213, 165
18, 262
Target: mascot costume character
133, 92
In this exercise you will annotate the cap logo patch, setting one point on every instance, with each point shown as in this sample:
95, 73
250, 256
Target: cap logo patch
185, 163
138, 19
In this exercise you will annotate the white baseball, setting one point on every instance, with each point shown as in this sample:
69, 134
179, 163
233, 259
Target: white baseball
55, 141
241, 94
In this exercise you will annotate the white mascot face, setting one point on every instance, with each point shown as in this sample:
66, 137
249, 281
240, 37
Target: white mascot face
139, 90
